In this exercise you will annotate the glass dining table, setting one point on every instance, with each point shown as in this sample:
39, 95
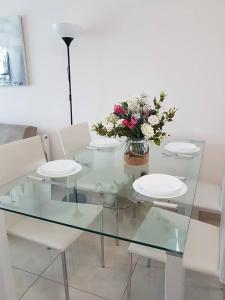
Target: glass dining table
104, 188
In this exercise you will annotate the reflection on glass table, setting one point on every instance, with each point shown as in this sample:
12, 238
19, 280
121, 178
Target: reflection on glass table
46, 201
104, 173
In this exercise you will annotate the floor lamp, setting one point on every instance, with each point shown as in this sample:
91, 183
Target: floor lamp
68, 32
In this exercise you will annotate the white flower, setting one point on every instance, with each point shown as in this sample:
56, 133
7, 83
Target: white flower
146, 107
136, 115
153, 120
109, 126
112, 118
120, 122
147, 130
132, 103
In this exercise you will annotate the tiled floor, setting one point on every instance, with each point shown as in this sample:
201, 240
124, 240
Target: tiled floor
38, 274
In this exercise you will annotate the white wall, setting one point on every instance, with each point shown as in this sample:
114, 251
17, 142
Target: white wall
127, 46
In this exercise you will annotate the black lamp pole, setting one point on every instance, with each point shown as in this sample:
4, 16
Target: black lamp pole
68, 41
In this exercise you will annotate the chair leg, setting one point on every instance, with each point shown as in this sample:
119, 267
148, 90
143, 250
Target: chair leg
102, 242
67, 191
117, 221
67, 195
129, 276
102, 252
65, 275
134, 210
149, 263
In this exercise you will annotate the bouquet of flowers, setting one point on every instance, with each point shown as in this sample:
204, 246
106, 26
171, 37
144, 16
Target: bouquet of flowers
136, 119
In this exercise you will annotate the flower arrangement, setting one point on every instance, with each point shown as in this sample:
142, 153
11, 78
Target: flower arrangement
136, 119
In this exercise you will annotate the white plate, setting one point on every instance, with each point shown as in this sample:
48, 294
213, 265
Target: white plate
143, 192
159, 186
181, 147
59, 168
105, 143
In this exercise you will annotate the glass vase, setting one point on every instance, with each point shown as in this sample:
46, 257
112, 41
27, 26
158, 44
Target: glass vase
136, 152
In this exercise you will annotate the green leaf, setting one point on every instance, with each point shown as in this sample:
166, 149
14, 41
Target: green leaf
158, 134
157, 141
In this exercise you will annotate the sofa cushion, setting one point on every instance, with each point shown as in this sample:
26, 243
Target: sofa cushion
12, 132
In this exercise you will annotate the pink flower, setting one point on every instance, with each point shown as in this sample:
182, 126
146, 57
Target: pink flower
118, 109
133, 122
130, 124
126, 123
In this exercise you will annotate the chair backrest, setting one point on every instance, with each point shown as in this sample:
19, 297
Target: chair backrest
222, 233
20, 158
74, 137
16, 160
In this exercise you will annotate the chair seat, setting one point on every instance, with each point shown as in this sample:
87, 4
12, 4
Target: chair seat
202, 248
48, 234
155, 254
201, 251
207, 197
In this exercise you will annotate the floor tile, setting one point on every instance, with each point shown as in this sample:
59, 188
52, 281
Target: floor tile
147, 283
30, 256
45, 289
23, 280
84, 269
91, 282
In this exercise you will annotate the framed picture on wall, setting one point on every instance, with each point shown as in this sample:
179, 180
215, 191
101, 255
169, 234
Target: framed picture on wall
13, 70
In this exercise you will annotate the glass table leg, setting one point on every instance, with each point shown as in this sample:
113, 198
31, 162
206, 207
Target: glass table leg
117, 221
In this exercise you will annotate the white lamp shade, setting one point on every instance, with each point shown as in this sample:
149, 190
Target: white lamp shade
66, 30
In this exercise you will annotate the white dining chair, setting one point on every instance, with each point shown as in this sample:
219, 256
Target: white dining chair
74, 137
19, 159
204, 250
207, 197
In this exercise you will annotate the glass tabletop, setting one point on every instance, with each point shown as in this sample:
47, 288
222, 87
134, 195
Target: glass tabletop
100, 199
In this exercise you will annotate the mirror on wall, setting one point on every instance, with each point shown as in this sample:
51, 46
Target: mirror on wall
13, 70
